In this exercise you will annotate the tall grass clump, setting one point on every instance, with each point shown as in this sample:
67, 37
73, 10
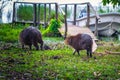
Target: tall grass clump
52, 29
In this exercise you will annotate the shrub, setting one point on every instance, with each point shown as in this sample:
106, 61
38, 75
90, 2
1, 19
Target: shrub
52, 29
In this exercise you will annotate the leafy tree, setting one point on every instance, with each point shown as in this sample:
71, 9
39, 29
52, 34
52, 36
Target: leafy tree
3, 3
114, 2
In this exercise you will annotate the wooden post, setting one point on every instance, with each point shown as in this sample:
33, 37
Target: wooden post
88, 15
66, 9
45, 15
38, 14
13, 18
35, 15
49, 11
96, 24
65, 17
56, 9
75, 7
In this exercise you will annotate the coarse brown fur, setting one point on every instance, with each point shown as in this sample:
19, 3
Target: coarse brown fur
80, 42
31, 36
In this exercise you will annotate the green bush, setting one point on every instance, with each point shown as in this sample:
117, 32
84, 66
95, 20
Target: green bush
52, 29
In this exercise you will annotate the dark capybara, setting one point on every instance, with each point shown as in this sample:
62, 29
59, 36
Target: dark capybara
29, 36
80, 42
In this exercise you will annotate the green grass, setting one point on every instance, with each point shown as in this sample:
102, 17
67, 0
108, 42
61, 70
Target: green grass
10, 32
57, 64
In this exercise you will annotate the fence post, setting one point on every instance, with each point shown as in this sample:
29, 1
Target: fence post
56, 9
96, 24
38, 14
45, 15
13, 18
88, 15
35, 15
49, 11
75, 7
65, 16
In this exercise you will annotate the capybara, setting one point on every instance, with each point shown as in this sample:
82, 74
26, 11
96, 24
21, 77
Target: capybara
31, 36
80, 42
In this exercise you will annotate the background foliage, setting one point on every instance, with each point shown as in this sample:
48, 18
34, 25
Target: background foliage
52, 29
114, 2
25, 13
10, 32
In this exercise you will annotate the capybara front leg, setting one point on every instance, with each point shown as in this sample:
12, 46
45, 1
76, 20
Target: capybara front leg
41, 46
30, 47
89, 53
36, 45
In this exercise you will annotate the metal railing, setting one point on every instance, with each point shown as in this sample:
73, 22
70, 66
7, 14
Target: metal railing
36, 17
36, 13
75, 20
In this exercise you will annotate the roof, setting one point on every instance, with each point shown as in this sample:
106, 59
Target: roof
93, 2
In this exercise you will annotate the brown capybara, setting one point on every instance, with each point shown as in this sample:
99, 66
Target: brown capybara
80, 42
31, 36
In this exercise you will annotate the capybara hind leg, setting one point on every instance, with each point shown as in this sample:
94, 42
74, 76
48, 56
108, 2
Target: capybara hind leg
74, 52
87, 53
36, 45
22, 46
90, 53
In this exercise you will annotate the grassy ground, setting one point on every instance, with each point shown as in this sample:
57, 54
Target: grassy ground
58, 63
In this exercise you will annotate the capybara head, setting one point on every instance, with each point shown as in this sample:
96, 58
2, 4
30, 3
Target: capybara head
31, 36
80, 42
46, 47
68, 40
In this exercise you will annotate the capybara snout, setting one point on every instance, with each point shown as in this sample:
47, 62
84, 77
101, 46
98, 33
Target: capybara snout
31, 36
80, 42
